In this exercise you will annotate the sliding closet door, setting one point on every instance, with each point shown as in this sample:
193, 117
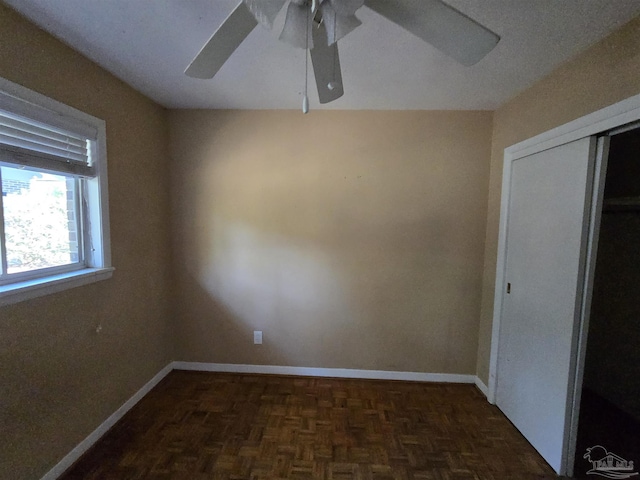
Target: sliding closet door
546, 236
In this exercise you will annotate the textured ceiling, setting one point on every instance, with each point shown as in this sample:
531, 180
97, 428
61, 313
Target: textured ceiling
148, 44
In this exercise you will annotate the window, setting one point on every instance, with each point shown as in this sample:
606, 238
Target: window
54, 229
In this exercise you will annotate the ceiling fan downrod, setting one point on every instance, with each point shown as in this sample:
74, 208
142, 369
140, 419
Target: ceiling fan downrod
305, 97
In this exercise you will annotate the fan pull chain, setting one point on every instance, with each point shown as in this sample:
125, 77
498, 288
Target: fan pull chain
305, 97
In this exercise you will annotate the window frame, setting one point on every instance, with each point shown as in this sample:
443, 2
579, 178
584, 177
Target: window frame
91, 201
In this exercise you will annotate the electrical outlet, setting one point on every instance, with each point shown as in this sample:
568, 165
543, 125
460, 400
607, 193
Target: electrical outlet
257, 337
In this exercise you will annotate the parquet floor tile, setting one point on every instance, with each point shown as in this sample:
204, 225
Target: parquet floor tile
197, 425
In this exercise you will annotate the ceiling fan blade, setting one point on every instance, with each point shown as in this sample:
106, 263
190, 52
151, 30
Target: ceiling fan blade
326, 66
297, 26
223, 43
444, 27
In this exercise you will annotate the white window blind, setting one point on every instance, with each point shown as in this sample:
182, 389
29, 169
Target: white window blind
51, 145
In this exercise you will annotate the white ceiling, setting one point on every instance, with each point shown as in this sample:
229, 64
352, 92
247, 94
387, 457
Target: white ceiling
149, 43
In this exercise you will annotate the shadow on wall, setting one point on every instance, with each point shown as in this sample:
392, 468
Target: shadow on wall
250, 280
365, 252
299, 295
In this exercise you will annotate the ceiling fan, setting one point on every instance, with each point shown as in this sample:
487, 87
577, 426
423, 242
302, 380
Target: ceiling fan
317, 25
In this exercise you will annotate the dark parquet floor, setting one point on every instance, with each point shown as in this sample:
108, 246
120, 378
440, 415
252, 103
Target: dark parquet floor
196, 425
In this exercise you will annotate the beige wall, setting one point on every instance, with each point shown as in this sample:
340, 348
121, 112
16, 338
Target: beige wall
604, 74
351, 239
58, 378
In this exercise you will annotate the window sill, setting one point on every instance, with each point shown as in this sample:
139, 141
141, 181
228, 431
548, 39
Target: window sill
20, 291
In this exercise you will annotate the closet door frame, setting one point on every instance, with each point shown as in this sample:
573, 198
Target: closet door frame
596, 123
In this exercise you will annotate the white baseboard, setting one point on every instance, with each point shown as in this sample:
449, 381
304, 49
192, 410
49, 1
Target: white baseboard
94, 436
326, 372
481, 386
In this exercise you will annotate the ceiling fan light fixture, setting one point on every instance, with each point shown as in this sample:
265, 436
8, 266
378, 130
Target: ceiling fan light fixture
265, 11
338, 26
296, 32
345, 8
338, 15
